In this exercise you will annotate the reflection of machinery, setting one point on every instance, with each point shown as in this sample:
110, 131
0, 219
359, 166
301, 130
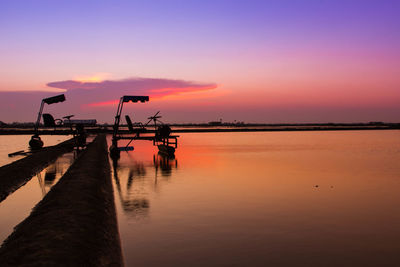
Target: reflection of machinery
165, 163
162, 133
134, 184
55, 171
132, 204
50, 175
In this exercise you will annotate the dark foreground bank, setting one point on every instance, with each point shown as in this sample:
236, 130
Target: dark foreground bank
16, 174
75, 224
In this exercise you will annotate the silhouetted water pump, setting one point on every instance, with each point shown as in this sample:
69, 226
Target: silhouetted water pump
35, 142
163, 131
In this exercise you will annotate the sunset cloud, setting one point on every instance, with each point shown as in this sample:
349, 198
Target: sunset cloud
108, 91
86, 96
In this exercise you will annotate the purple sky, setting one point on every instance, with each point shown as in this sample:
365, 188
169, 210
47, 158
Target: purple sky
253, 61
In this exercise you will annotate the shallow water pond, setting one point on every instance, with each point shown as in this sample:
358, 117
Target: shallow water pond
13, 143
262, 199
18, 205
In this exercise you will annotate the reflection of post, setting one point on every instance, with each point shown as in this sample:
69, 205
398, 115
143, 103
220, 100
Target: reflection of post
54, 171
132, 184
39, 176
50, 175
138, 207
156, 168
165, 162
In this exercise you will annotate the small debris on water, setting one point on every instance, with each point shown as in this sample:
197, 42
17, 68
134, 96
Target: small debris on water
316, 185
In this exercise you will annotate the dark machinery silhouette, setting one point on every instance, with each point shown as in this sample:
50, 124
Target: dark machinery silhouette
36, 142
162, 137
79, 132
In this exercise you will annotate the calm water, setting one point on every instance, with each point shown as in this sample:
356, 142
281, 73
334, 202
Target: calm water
18, 205
262, 199
13, 143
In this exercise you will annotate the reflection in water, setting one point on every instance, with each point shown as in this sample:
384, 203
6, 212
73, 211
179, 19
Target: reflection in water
249, 199
55, 171
12, 143
165, 163
50, 175
18, 205
133, 185
132, 202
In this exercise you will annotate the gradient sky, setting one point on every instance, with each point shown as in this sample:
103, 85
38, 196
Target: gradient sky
253, 61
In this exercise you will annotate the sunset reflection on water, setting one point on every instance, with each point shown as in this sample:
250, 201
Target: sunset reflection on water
256, 199
19, 204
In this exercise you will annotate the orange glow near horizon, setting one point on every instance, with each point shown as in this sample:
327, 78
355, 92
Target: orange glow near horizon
171, 94
97, 77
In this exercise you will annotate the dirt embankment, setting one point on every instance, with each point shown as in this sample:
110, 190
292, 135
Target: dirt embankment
16, 174
75, 224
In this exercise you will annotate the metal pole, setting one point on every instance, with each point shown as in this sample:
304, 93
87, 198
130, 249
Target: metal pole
39, 116
117, 120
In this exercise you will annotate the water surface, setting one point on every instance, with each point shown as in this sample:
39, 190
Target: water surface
13, 143
262, 199
18, 205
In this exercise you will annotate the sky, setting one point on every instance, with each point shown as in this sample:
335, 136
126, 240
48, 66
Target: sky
253, 61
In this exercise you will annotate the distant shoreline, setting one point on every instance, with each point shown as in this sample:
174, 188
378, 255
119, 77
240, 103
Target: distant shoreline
212, 129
